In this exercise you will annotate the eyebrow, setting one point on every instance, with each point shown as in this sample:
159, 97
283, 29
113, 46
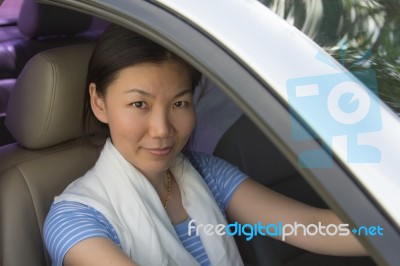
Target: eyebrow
146, 94
142, 92
183, 92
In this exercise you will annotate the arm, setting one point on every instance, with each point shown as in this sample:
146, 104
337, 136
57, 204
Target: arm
76, 234
96, 251
253, 202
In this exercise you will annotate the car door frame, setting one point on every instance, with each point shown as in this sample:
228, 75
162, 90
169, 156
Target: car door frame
259, 101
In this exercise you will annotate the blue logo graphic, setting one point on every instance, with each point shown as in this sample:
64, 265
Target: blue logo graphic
338, 106
368, 231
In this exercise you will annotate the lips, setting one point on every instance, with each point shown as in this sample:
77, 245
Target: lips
159, 151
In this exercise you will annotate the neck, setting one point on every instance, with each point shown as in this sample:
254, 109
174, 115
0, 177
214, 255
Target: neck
159, 182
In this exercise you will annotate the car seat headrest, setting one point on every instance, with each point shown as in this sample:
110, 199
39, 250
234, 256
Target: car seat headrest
36, 20
45, 107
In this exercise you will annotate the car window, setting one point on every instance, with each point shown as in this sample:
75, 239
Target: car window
295, 184
363, 35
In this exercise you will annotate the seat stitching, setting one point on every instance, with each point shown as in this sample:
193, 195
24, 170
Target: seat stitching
34, 207
53, 93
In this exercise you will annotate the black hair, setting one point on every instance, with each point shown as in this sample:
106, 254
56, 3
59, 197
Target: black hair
116, 49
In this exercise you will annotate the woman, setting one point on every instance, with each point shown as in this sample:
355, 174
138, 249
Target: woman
146, 203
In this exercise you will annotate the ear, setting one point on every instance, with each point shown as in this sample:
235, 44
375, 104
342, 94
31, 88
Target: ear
97, 104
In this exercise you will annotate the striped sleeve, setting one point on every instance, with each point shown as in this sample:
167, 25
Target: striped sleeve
69, 223
221, 177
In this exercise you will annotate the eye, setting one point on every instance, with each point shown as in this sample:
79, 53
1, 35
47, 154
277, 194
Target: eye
180, 104
140, 104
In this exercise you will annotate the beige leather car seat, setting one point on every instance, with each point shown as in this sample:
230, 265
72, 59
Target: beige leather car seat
44, 116
40, 27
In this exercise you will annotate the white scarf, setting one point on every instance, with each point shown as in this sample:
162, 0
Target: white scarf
115, 188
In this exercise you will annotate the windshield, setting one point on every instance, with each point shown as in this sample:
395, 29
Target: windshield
363, 35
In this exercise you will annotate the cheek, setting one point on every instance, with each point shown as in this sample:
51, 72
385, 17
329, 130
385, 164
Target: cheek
186, 123
121, 124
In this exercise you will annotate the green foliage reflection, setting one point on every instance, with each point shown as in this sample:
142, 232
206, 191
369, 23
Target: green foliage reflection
358, 26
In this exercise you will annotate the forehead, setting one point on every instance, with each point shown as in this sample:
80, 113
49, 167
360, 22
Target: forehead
153, 77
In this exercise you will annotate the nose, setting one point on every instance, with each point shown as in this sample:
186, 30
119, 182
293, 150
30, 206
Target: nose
160, 125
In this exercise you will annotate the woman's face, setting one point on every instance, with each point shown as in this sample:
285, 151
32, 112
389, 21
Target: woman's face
150, 113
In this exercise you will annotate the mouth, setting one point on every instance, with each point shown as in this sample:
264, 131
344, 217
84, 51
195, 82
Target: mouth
159, 151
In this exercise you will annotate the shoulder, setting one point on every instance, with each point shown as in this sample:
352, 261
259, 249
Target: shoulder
69, 223
221, 177
206, 162
209, 165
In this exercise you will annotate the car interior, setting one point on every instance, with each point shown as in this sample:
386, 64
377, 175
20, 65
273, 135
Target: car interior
31, 34
42, 80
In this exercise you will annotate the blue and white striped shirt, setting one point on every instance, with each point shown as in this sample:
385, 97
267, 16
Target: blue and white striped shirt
70, 222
